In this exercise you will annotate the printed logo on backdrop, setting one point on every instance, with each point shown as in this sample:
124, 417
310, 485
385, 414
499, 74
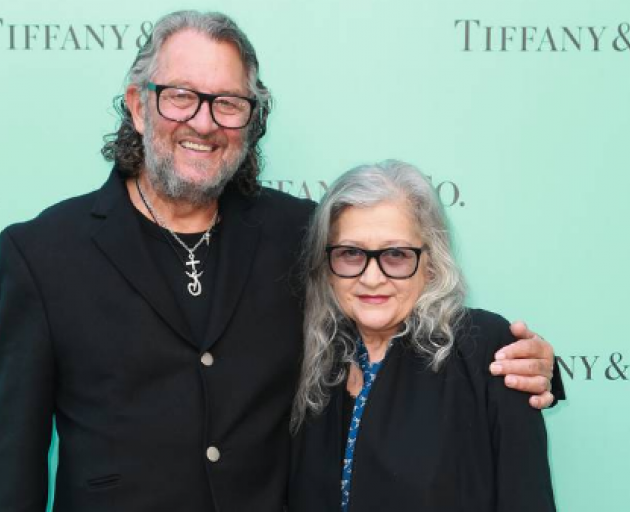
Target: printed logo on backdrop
448, 191
475, 36
71, 37
611, 367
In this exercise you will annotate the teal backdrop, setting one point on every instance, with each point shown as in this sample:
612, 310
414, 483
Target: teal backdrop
517, 109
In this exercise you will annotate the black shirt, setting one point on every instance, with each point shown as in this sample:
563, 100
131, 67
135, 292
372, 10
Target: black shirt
171, 259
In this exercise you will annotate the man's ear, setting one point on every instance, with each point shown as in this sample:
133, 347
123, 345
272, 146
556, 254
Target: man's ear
135, 106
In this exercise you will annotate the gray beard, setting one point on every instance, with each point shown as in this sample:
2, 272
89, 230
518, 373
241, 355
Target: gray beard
167, 182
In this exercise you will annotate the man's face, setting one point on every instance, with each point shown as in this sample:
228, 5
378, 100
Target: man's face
192, 160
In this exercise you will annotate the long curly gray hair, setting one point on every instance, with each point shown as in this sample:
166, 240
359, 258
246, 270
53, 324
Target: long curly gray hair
329, 336
125, 148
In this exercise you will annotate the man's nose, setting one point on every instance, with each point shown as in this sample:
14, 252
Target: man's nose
203, 123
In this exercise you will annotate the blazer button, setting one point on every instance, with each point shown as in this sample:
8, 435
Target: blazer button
213, 454
207, 359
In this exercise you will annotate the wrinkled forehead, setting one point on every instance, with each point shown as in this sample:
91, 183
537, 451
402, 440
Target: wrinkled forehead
190, 58
387, 219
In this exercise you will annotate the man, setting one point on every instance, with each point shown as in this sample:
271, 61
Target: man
156, 318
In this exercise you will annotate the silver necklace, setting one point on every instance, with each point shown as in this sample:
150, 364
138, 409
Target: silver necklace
194, 286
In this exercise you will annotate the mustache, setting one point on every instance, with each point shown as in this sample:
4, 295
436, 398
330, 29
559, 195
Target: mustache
214, 138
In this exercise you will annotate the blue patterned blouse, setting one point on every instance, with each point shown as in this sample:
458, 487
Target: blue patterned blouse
370, 370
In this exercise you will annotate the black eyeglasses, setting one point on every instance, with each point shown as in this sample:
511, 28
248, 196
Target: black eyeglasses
181, 105
395, 262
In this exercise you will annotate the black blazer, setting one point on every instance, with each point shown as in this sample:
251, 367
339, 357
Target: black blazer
453, 441
90, 333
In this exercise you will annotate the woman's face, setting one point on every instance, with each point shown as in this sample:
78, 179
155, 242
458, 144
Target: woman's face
377, 303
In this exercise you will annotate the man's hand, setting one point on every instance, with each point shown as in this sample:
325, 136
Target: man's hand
527, 365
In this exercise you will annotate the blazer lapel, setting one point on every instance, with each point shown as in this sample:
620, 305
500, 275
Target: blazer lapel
335, 448
119, 237
241, 226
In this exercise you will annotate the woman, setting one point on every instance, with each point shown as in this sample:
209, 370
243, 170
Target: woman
396, 410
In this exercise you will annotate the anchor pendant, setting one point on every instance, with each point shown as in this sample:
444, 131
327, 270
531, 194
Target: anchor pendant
194, 287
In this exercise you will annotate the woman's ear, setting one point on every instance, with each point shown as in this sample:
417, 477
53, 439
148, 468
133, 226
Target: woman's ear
427, 269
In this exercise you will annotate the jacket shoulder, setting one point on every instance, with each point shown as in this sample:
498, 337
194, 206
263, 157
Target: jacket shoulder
56, 216
282, 202
283, 213
486, 320
55, 225
481, 333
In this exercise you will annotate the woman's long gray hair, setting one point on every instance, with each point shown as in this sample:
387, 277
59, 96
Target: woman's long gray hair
330, 337
125, 148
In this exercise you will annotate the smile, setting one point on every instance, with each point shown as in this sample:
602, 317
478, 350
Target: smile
194, 146
373, 299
